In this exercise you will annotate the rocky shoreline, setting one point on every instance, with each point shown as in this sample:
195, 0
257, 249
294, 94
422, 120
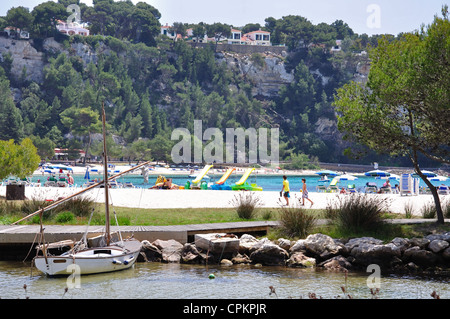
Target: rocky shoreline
425, 255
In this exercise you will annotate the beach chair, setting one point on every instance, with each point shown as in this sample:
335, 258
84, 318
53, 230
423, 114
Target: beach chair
386, 190
333, 187
115, 184
128, 185
443, 190
371, 188
351, 188
409, 185
321, 188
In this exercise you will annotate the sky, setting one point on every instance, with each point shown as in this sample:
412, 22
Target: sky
363, 16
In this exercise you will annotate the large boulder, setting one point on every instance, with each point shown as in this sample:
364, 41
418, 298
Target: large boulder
322, 246
401, 243
438, 245
421, 257
298, 259
337, 263
420, 242
191, 255
246, 242
354, 242
170, 250
284, 243
149, 252
298, 246
268, 253
366, 254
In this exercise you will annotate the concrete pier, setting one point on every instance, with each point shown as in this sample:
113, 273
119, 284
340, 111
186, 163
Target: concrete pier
17, 240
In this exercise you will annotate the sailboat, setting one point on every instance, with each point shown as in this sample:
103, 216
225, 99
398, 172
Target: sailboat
107, 255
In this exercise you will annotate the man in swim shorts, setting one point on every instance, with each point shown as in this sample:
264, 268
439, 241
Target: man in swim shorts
285, 188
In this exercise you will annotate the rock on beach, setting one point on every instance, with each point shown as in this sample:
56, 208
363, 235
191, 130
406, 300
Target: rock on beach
317, 250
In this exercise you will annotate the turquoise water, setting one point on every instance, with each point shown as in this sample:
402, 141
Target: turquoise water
267, 182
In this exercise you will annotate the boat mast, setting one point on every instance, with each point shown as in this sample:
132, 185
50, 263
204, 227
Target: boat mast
105, 179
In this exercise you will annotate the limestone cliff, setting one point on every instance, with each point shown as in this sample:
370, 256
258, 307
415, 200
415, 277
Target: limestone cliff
267, 78
24, 58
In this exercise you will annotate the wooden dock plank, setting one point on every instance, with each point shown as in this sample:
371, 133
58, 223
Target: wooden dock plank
24, 234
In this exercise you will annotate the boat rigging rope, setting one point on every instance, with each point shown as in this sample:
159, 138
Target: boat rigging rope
115, 217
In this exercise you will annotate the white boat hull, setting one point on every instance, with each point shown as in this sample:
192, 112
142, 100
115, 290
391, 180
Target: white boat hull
90, 261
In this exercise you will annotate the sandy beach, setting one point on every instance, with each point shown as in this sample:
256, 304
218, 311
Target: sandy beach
146, 198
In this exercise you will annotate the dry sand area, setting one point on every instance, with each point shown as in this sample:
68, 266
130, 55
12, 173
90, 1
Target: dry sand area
146, 198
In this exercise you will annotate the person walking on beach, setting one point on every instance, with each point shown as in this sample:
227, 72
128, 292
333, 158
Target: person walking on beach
305, 193
285, 188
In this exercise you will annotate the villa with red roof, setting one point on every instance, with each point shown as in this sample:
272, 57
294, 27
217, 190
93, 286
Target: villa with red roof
72, 28
258, 37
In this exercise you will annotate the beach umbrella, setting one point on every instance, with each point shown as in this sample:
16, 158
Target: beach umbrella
346, 177
392, 176
426, 173
327, 173
377, 172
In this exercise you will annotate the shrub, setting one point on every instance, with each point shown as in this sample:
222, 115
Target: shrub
245, 204
408, 209
79, 206
296, 222
446, 208
7, 207
357, 212
64, 217
33, 205
429, 210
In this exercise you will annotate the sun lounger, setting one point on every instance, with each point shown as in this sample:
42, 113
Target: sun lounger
371, 188
333, 186
409, 185
351, 188
386, 190
321, 188
128, 185
443, 190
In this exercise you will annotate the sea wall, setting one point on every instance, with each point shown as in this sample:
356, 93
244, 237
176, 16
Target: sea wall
430, 254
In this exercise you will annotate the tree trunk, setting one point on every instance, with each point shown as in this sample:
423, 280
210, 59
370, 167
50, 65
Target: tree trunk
437, 201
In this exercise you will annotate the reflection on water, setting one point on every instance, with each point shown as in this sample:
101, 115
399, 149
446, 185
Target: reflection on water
179, 281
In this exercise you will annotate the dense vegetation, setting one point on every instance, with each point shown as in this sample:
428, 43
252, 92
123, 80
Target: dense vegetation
151, 84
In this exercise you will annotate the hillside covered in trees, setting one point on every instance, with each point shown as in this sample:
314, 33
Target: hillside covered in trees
151, 84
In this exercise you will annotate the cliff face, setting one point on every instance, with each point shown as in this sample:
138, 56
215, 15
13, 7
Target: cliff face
267, 78
25, 57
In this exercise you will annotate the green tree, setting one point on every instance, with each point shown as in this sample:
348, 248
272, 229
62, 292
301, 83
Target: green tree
19, 17
218, 31
82, 122
46, 16
19, 160
11, 124
404, 108
45, 146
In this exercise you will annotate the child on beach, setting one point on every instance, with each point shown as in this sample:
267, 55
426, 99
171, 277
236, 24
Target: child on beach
305, 193
285, 188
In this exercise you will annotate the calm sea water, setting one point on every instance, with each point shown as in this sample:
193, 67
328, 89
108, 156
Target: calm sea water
180, 281
267, 182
